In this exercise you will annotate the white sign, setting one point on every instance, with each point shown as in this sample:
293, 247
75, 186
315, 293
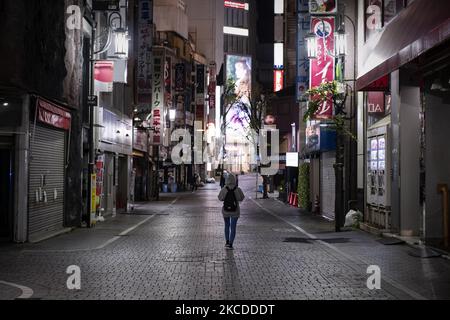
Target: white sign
292, 159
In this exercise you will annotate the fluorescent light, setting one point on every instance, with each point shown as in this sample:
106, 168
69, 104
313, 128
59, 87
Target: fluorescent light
278, 55
236, 31
279, 7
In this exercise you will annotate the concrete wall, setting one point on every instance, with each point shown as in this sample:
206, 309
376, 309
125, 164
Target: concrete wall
205, 18
437, 163
410, 209
169, 16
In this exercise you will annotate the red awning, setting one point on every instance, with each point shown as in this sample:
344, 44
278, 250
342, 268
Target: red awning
53, 115
421, 26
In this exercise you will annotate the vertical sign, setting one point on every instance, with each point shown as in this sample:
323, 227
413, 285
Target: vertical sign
93, 198
200, 93
303, 28
144, 56
200, 84
278, 80
157, 98
180, 77
168, 89
212, 92
322, 68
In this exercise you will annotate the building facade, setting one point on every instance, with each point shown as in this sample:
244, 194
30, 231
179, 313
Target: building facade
403, 79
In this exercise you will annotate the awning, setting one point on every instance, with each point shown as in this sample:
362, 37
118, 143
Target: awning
421, 26
53, 115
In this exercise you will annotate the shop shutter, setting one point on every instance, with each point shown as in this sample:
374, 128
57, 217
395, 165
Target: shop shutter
327, 184
48, 160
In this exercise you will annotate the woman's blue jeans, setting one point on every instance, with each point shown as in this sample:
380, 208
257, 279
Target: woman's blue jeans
230, 229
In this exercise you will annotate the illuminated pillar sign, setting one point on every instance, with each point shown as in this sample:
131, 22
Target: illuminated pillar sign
323, 67
278, 80
236, 5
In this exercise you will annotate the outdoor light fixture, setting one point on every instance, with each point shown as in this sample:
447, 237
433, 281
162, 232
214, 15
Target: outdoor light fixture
437, 85
5, 104
340, 39
172, 114
121, 43
311, 45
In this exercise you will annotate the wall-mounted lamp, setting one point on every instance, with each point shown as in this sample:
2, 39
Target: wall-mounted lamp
172, 114
340, 43
121, 43
311, 45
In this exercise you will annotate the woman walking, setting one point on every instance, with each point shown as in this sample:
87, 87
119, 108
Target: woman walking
231, 195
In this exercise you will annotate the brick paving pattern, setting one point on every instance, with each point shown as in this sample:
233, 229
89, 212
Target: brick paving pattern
179, 254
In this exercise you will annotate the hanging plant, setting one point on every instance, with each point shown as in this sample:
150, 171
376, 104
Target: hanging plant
336, 93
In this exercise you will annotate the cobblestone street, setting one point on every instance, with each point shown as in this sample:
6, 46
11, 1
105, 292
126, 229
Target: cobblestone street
175, 250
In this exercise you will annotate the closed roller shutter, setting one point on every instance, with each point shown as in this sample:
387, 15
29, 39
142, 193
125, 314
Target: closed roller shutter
46, 175
327, 184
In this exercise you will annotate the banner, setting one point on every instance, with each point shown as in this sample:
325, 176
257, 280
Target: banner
200, 88
212, 92
322, 68
157, 99
303, 28
144, 56
180, 77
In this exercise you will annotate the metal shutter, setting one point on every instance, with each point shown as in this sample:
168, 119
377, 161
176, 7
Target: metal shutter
327, 184
48, 155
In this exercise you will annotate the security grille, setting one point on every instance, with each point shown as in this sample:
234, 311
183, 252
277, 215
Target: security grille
46, 182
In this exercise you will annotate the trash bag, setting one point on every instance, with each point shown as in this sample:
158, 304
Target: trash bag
353, 218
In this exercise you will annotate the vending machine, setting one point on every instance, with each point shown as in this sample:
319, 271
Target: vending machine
378, 176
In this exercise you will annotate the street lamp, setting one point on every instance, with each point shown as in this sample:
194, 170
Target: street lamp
172, 115
340, 43
311, 45
121, 43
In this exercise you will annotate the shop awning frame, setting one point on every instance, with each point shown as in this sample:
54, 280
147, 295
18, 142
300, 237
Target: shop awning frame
417, 29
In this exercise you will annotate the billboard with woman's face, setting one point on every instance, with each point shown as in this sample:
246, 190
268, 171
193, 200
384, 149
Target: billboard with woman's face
239, 70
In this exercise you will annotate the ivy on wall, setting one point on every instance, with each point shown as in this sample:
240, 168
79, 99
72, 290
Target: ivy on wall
303, 187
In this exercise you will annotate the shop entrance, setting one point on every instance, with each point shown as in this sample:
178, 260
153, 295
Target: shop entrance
6, 187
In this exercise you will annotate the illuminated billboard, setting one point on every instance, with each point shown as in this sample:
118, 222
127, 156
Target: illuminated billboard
239, 70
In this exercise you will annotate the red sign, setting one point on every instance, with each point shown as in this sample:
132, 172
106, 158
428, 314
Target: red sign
236, 5
52, 115
278, 80
322, 68
375, 102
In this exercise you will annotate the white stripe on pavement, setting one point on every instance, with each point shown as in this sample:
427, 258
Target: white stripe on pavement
27, 293
390, 281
